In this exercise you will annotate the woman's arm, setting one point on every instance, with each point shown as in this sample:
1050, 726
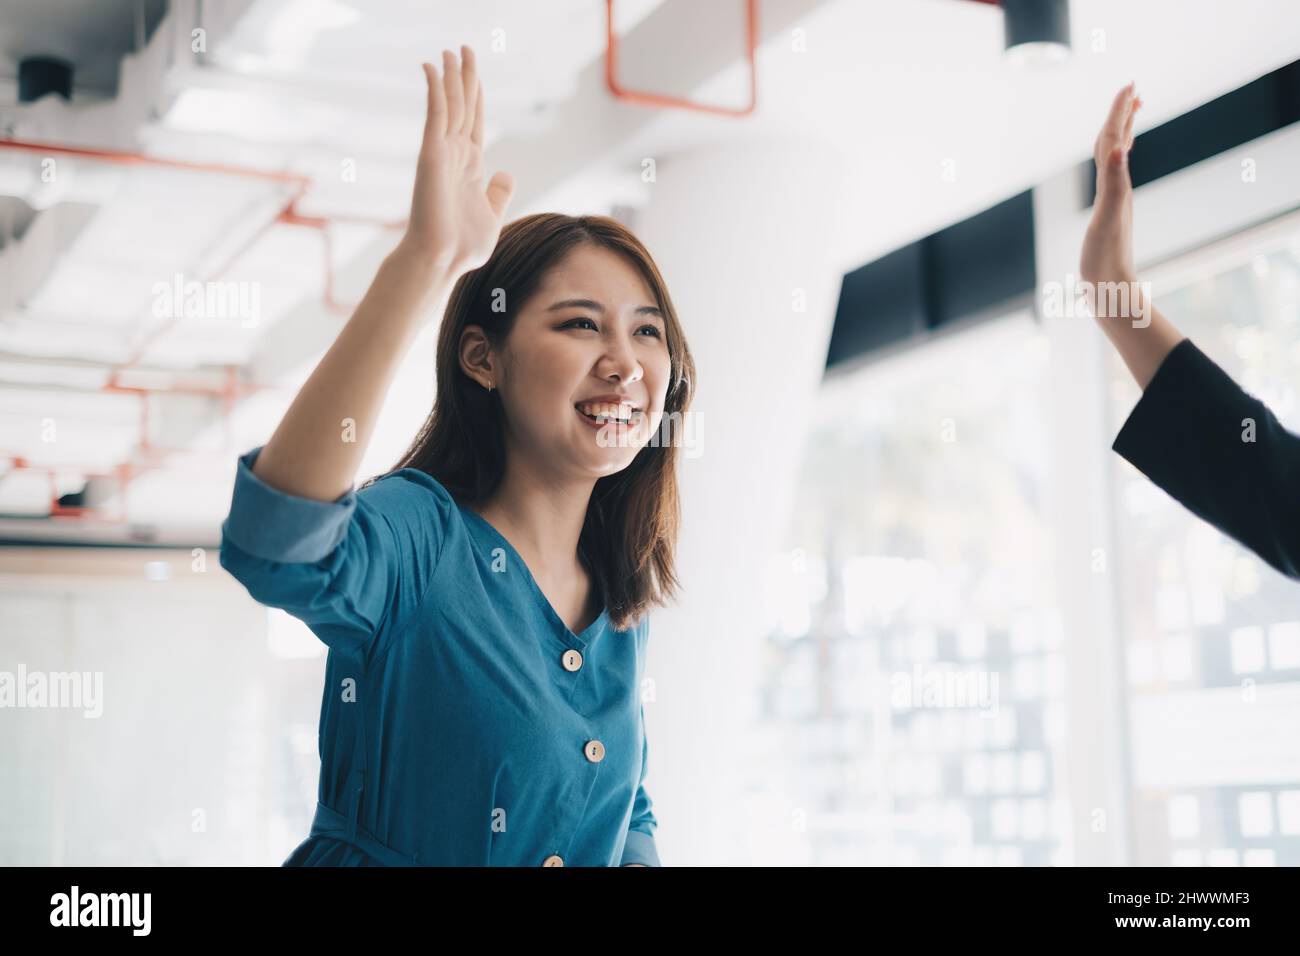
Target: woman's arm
1195, 433
1137, 329
454, 225
353, 564
1219, 452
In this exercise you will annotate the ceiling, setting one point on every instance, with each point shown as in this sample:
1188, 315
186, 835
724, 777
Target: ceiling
135, 408
94, 36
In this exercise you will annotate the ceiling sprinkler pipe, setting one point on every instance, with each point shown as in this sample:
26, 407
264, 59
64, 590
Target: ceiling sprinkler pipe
659, 100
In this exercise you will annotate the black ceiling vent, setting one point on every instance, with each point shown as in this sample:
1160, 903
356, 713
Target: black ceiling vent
38, 75
977, 269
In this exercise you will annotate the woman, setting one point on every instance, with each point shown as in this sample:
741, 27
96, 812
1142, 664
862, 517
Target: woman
1194, 432
483, 602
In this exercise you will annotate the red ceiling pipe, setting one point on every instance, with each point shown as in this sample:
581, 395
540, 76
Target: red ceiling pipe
231, 389
287, 215
645, 98
293, 218
124, 158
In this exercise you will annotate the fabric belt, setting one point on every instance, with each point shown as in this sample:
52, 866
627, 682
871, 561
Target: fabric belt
328, 822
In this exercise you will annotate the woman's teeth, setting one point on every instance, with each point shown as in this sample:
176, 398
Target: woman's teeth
607, 413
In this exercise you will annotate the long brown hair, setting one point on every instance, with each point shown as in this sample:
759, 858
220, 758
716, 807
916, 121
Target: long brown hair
629, 537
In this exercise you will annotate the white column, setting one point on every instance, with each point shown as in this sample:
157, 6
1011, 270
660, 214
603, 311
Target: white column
1095, 778
746, 238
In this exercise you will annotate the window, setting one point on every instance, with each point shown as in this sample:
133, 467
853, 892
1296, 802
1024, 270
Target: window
914, 677
1211, 632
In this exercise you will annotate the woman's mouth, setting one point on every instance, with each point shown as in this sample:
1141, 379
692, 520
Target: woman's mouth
610, 419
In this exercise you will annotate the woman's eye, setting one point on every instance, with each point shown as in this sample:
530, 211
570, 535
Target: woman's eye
575, 323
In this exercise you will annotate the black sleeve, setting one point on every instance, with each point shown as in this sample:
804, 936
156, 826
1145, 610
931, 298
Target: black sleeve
1189, 434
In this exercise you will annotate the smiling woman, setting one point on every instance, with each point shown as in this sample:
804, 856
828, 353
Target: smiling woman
560, 319
485, 600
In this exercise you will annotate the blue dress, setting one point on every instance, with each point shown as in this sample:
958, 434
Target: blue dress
462, 723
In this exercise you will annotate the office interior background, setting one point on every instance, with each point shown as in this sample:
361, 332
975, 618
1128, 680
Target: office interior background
898, 476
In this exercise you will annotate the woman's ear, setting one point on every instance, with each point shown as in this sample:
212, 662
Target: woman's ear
476, 356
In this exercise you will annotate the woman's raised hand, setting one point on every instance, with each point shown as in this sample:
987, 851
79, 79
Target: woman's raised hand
455, 218
1145, 337
1108, 245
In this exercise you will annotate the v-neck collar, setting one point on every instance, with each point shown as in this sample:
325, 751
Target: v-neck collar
588, 632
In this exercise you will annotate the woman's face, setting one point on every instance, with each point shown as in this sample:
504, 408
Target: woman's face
592, 328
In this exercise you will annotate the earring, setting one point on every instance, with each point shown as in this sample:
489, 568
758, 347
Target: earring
489, 385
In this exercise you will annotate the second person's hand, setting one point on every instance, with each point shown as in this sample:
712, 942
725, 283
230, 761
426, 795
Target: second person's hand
1140, 333
1108, 245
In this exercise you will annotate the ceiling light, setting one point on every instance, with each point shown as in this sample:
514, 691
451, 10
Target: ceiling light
1037, 31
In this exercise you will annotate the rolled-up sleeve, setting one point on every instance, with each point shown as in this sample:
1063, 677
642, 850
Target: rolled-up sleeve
640, 846
347, 568
1220, 452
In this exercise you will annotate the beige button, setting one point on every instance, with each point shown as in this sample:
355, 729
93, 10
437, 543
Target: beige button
553, 860
595, 751
572, 660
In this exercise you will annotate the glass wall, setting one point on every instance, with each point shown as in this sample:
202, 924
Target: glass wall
1211, 632
913, 698
914, 671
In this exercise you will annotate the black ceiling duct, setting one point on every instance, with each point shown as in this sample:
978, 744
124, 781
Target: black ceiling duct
38, 75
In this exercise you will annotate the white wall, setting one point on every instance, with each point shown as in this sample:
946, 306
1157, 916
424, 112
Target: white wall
201, 727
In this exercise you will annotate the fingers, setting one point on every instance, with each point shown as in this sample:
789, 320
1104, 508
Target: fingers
1112, 130
1128, 124
476, 131
469, 84
451, 81
435, 122
455, 99
1119, 110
